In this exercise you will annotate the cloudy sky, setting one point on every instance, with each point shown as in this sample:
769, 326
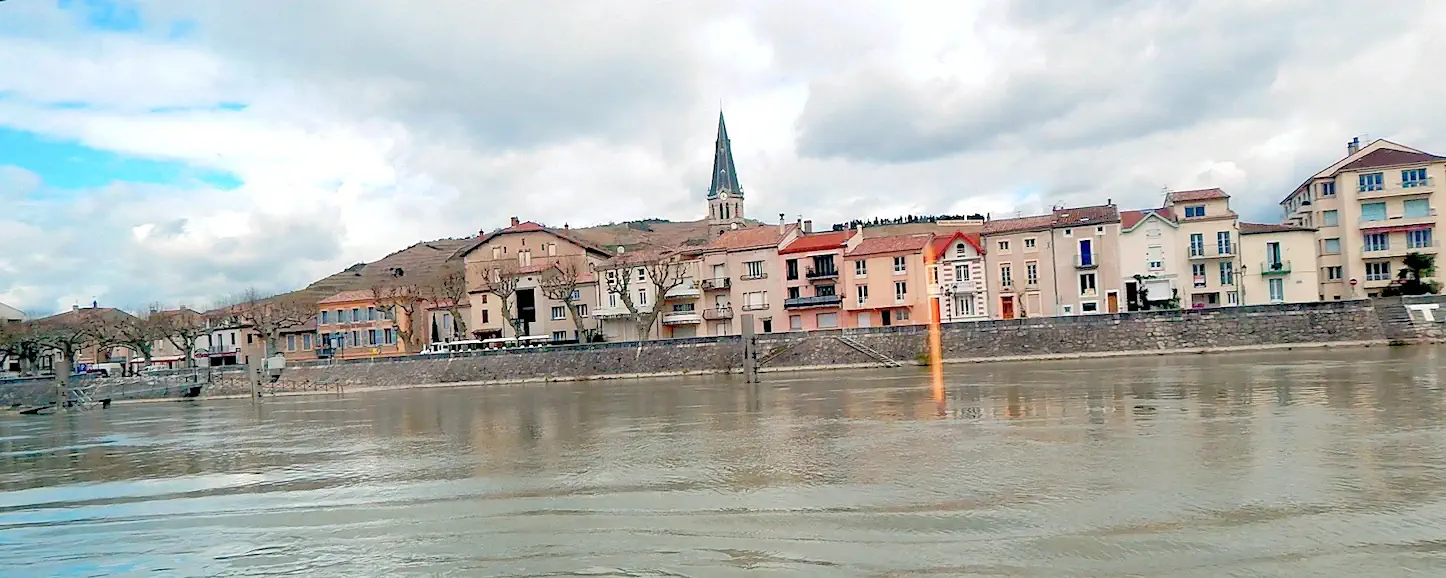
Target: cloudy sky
177, 151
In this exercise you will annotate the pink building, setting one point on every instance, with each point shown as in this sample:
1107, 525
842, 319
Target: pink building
811, 266
739, 272
886, 280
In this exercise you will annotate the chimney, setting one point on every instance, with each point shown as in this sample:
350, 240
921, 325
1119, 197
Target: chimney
75, 308
808, 226
1109, 201
515, 222
566, 227
1354, 146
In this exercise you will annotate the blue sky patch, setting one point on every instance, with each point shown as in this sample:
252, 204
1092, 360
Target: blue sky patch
71, 165
115, 15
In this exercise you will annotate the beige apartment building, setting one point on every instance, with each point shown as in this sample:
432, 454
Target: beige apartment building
1370, 209
1211, 246
740, 272
1151, 266
1063, 263
1278, 264
528, 252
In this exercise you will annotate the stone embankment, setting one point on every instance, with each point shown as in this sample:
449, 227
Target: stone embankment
1339, 323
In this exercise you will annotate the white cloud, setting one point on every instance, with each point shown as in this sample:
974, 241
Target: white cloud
370, 125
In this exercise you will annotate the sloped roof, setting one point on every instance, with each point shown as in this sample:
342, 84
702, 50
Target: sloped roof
942, 244
10, 313
892, 244
1078, 216
83, 315
751, 238
1257, 228
1018, 224
1128, 219
1389, 157
816, 242
568, 235
1197, 195
351, 295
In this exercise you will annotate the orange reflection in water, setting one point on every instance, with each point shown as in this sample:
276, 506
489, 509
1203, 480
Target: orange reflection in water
936, 357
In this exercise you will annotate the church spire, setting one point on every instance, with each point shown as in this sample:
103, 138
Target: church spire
725, 175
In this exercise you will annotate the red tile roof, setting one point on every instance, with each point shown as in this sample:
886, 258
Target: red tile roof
1389, 157
744, 239
1256, 228
942, 244
532, 227
1128, 219
1032, 223
353, 295
892, 244
817, 242
1198, 195
1077, 216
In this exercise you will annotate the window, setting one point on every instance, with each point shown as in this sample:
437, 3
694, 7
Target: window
1031, 272
1373, 212
524, 258
372, 337
1227, 272
1222, 243
1329, 218
486, 318
961, 272
576, 294
497, 252
306, 341
356, 314
861, 268
1087, 285
356, 337
1232, 298
1371, 182
683, 307
559, 312
795, 322
642, 297
642, 274
901, 290
580, 309
484, 295
1277, 290
1418, 239
1331, 246
1194, 211
325, 317
960, 252
1005, 278
1413, 178
1197, 244
823, 291
1327, 189
1333, 273
612, 300
793, 292
1004, 246
790, 268
1028, 243
1089, 307
754, 269
755, 300
827, 320
552, 249
1069, 232
559, 335
899, 266
1378, 241
1156, 265
291, 343
390, 335
1417, 208
1378, 271
1197, 270
341, 316
863, 293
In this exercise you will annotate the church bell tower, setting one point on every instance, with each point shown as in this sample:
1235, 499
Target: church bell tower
725, 196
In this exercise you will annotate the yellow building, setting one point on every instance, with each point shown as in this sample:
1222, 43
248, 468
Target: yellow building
1278, 264
352, 324
1210, 244
1370, 209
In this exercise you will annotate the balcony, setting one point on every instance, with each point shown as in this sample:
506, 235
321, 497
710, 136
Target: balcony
717, 313
715, 284
1400, 250
821, 273
1275, 268
1398, 188
755, 307
1216, 252
751, 277
1401, 221
1086, 261
685, 291
221, 349
959, 287
816, 301
682, 318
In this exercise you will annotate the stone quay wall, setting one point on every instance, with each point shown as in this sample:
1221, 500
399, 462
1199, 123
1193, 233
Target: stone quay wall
1152, 332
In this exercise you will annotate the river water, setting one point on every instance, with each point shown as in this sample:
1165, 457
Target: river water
1311, 463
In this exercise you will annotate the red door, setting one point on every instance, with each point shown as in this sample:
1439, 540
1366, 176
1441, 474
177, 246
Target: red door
1006, 307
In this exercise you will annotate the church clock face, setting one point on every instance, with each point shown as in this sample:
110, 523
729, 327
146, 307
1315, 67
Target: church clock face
723, 195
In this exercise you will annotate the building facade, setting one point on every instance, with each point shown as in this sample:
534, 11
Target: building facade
959, 278
1370, 209
886, 280
1278, 264
352, 324
1211, 245
1063, 263
812, 287
528, 254
1150, 264
740, 273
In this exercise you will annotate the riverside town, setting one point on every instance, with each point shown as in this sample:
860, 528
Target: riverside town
1360, 228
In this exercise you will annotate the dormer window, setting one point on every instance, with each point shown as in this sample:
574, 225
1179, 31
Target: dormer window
1194, 211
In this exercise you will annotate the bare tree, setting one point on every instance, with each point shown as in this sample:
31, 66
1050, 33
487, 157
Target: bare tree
662, 270
20, 342
500, 277
452, 295
182, 328
269, 316
408, 298
68, 334
560, 283
138, 333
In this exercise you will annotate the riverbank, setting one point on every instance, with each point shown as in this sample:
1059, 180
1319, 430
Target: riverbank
1362, 323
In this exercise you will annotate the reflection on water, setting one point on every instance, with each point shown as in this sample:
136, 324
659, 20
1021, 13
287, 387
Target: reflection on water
1324, 463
